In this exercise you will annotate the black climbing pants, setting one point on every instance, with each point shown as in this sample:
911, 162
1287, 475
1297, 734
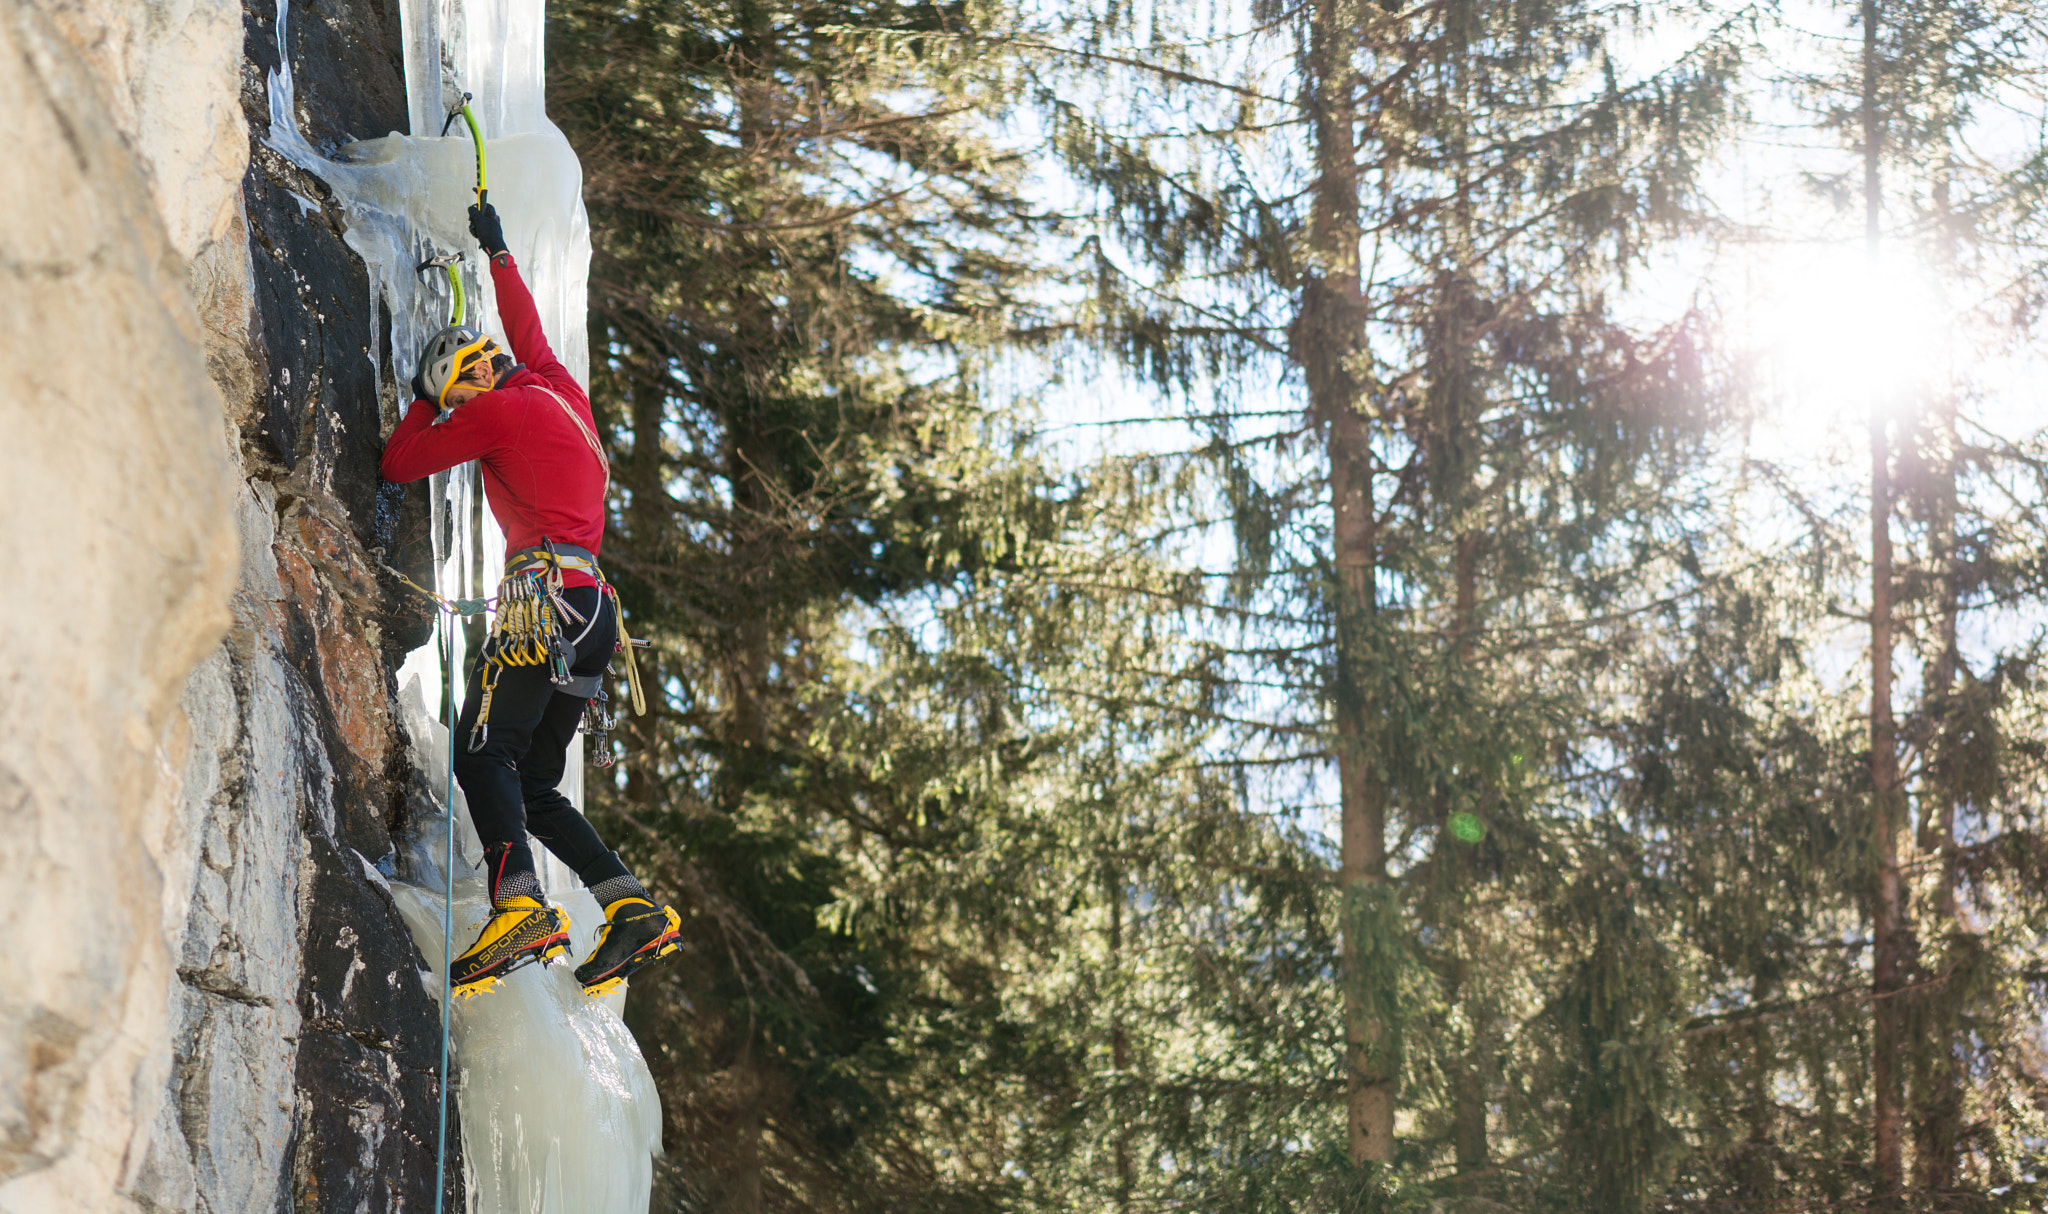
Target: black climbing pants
511, 781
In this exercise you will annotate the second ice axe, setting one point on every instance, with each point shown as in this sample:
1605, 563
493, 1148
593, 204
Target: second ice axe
476, 136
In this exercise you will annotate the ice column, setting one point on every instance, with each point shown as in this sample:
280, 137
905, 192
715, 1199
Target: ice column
559, 1113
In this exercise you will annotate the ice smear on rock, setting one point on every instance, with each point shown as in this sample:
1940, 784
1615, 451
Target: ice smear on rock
558, 1110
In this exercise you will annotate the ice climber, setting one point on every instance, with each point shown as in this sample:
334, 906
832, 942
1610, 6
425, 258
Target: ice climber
555, 630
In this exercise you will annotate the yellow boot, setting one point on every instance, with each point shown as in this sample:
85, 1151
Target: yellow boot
636, 933
521, 930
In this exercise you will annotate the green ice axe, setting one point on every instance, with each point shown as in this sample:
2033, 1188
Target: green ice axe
449, 262
475, 136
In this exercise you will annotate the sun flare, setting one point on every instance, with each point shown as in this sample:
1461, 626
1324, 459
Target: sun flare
1834, 336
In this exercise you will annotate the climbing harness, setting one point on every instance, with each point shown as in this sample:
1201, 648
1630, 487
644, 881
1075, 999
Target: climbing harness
527, 630
571, 558
530, 628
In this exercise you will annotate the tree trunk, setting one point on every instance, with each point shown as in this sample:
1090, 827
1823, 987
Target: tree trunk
1328, 341
1757, 1171
1120, 1048
1468, 1116
1889, 910
743, 1192
643, 471
1938, 1082
745, 638
1369, 1088
752, 470
1469, 1084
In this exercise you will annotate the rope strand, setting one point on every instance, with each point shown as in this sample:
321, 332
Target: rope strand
447, 868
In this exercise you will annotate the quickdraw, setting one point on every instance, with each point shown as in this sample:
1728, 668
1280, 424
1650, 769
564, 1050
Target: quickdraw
598, 724
478, 735
598, 719
527, 629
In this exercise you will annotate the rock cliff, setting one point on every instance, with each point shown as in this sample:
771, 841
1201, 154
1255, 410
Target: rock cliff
210, 1002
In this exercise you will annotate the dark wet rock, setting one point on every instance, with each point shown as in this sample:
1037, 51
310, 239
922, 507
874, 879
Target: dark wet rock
369, 1052
348, 66
322, 418
366, 1105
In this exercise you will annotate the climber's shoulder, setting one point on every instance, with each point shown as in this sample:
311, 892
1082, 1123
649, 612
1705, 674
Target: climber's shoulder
527, 386
546, 383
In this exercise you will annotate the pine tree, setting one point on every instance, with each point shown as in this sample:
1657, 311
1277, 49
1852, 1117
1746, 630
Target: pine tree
801, 251
1947, 64
1412, 228
996, 799
1841, 1037
1925, 68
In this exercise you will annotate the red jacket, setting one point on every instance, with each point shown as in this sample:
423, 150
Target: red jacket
540, 475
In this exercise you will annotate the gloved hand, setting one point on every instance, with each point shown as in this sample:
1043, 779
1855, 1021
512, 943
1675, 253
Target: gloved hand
484, 225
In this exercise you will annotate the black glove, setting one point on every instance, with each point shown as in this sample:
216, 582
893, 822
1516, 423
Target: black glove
484, 225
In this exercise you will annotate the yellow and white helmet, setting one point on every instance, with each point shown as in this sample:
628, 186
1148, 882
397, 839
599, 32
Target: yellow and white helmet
445, 357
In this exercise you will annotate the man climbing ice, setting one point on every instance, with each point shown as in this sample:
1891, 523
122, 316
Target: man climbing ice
554, 632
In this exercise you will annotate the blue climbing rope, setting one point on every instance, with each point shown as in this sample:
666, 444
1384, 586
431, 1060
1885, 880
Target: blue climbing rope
447, 889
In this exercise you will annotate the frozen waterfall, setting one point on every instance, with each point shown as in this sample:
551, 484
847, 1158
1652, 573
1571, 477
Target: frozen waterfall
558, 1111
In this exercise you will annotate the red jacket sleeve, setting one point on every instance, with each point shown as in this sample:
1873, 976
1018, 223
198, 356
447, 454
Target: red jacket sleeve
522, 323
420, 448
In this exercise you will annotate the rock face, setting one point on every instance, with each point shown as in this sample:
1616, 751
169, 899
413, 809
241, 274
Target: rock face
211, 1003
117, 476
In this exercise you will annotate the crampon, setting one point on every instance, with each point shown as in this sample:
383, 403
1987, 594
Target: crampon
517, 934
633, 937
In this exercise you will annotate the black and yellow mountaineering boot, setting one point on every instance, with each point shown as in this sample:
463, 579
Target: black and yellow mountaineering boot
636, 933
521, 930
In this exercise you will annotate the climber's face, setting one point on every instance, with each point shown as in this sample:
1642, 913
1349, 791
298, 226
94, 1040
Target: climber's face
478, 379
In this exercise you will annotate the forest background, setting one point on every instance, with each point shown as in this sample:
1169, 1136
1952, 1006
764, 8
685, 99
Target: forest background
1329, 605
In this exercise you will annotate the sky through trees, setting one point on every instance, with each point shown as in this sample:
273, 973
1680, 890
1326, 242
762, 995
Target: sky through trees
1277, 607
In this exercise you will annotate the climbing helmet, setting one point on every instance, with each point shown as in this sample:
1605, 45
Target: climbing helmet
446, 356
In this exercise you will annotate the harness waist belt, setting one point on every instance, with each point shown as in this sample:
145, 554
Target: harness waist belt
565, 556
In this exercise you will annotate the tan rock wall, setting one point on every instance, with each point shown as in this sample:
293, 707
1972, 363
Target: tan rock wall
199, 766
117, 484
168, 73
